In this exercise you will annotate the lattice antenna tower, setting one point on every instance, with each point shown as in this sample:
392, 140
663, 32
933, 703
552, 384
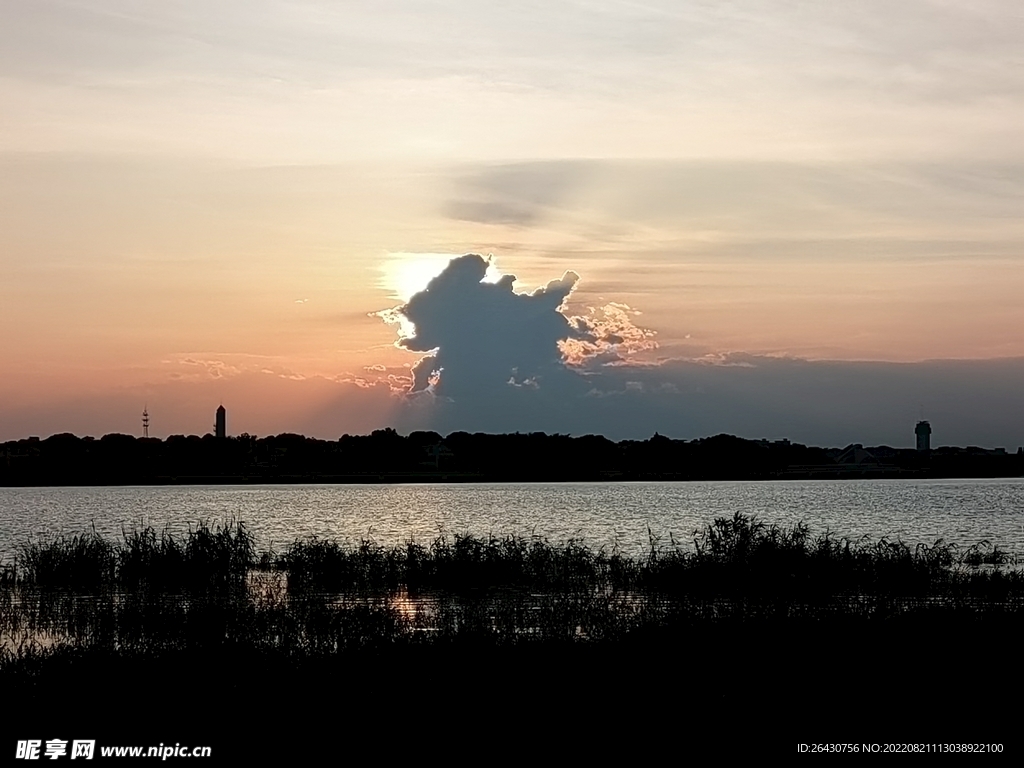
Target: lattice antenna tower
145, 422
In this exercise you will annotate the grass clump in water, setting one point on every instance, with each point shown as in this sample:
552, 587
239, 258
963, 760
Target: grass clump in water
150, 593
204, 558
744, 557
82, 562
458, 563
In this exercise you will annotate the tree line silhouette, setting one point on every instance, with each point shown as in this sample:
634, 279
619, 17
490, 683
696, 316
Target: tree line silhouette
386, 456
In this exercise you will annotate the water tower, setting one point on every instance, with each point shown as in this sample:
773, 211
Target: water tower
923, 430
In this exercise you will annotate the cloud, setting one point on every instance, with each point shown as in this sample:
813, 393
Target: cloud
492, 213
206, 368
225, 366
970, 402
827, 403
924, 208
516, 194
494, 360
482, 339
481, 335
489, 351
609, 336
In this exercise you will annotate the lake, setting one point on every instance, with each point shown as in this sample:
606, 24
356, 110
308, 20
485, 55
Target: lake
610, 515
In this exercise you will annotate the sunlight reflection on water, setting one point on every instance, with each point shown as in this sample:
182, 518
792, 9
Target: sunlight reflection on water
608, 515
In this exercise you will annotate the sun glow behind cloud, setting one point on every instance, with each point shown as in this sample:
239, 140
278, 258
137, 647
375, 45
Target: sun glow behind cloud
404, 274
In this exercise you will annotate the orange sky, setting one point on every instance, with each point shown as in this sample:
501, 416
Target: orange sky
196, 205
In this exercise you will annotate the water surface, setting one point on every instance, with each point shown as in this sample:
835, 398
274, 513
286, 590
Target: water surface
610, 515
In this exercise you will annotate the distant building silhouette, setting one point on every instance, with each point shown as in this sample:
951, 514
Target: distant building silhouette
855, 454
145, 422
221, 426
923, 430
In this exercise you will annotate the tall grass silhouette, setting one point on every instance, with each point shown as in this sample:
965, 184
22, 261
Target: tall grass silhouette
209, 589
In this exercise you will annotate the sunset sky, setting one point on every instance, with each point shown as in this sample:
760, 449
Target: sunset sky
774, 219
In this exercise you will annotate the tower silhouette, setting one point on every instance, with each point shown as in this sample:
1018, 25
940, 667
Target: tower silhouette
145, 422
923, 430
220, 427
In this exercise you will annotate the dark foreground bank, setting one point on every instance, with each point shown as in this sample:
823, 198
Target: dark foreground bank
749, 642
743, 690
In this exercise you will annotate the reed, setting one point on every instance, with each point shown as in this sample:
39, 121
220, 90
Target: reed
207, 590
204, 558
86, 562
738, 556
456, 563
743, 557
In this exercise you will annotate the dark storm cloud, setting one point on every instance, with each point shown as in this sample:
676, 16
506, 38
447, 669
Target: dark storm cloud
483, 337
823, 402
826, 403
498, 361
